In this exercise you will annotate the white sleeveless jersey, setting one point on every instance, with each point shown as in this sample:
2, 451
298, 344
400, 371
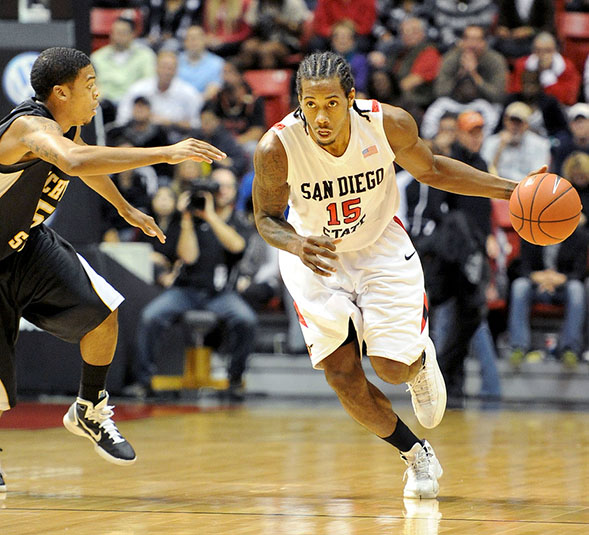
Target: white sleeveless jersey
353, 196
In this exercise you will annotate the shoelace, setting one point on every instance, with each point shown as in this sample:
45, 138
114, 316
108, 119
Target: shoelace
420, 465
419, 387
102, 416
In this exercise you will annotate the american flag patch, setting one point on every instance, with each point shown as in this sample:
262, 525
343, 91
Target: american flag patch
369, 151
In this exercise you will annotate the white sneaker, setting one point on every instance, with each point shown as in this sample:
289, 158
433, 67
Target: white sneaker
422, 517
423, 471
428, 390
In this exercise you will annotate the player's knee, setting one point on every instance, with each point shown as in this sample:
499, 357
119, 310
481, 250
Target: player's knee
391, 371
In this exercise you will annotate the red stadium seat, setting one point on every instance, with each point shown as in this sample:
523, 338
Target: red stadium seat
573, 31
274, 86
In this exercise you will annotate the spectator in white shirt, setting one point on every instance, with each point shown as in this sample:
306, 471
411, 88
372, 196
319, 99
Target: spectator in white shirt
516, 151
174, 103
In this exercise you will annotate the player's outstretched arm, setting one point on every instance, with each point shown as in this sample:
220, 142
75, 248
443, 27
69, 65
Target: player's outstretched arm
438, 171
38, 137
270, 197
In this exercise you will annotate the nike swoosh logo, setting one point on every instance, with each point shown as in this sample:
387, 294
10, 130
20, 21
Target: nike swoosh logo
408, 257
95, 436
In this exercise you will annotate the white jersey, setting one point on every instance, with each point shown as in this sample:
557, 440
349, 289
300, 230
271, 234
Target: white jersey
353, 196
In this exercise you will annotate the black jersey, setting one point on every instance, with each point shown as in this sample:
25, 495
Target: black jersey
29, 191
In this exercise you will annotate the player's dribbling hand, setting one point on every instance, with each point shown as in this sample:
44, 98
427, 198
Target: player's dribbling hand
136, 218
314, 249
193, 149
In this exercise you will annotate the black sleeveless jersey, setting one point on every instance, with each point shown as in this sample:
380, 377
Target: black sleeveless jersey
29, 191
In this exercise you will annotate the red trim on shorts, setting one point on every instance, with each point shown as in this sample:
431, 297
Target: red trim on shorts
399, 222
300, 316
425, 312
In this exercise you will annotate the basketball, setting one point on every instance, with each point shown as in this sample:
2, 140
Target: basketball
544, 209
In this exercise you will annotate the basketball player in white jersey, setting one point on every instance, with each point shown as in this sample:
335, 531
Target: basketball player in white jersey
346, 259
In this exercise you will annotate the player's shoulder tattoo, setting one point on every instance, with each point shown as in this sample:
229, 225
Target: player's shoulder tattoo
270, 159
42, 124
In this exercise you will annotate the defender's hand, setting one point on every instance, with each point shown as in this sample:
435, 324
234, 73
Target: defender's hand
193, 149
136, 218
314, 249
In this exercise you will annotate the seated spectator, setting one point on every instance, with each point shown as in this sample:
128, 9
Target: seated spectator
199, 67
383, 86
141, 132
175, 104
120, 64
343, 42
277, 30
551, 274
516, 151
577, 140
576, 170
218, 237
547, 117
168, 21
390, 14
519, 22
137, 186
452, 17
170, 213
558, 75
213, 131
225, 25
471, 70
416, 66
327, 13
472, 77
241, 112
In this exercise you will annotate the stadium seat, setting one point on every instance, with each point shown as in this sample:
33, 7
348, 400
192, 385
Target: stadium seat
573, 32
274, 86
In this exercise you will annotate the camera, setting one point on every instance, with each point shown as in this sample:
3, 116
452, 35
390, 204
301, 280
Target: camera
197, 187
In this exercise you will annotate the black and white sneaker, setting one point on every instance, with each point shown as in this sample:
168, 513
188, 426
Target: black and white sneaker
95, 423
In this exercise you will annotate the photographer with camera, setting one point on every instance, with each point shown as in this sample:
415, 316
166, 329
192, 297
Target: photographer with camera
217, 235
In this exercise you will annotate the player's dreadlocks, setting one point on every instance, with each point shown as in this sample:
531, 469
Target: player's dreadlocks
320, 66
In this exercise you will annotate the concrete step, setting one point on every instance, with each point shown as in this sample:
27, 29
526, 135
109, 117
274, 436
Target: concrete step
278, 374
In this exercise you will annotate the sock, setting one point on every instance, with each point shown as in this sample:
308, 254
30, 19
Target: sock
402, 438
93, 381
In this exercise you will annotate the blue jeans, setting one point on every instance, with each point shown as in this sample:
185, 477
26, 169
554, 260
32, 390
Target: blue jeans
238, 319
524, 292
482, 346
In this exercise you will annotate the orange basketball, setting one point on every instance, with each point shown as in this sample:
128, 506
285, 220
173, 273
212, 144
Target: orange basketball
544, 209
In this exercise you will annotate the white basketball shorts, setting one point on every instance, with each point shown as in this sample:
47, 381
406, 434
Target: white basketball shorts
380, 287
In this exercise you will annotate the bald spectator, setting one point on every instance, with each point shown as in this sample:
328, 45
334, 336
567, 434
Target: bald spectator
120, 64
558, 76
199, 67
175, 104
515, 151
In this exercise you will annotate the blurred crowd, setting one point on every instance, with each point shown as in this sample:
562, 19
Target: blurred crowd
487, 83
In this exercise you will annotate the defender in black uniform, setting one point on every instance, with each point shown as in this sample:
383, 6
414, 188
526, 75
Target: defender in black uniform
42, 278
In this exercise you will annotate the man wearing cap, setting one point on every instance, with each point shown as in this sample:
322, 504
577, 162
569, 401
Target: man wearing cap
515, 151
578, 140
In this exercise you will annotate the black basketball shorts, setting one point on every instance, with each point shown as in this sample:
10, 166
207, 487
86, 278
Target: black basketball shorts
54, 288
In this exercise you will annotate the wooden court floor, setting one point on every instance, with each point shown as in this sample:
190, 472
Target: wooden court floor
273, 469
